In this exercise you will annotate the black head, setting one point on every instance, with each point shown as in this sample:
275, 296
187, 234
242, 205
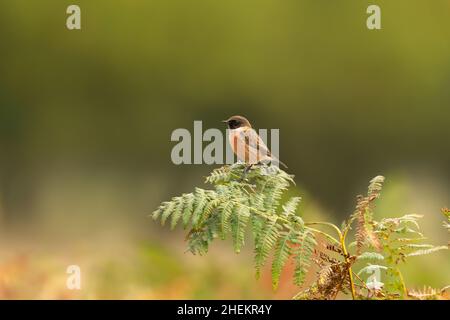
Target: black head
237, 122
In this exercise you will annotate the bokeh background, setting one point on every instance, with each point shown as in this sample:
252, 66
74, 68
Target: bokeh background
86, 118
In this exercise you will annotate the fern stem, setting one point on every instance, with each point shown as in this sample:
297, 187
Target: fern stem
405, 291
261, 213
347, 260
306, 224
326, 224
361, 280
324, 234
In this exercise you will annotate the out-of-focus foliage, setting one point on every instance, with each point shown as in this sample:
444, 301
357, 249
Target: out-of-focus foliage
141, 271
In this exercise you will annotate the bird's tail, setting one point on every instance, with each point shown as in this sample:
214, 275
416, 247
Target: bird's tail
283, 164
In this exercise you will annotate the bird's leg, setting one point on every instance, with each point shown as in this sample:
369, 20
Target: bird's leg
246, 170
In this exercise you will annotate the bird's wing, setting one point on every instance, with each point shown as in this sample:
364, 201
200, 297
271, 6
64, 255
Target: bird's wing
254, 142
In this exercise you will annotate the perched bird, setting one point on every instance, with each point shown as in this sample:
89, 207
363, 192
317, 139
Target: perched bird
247, 144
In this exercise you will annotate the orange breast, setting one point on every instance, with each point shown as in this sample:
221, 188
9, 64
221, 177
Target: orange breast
239, 147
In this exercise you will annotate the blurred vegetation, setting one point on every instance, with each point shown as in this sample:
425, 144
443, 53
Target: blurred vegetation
86, 117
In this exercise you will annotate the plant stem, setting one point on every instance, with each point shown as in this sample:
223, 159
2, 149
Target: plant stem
347, 259
405, 292
325, 224
326, 235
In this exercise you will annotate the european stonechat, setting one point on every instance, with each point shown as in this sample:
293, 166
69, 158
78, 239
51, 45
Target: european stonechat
246, 144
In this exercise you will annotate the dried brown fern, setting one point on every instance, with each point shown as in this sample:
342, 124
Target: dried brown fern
363, 215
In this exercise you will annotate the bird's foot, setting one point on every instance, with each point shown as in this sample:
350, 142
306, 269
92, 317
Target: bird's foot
245, 172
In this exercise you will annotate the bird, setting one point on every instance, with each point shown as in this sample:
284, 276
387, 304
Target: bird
246, 144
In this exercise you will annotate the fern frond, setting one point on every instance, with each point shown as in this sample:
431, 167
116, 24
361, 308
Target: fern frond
370, 256
408, 240
305, 243
281, 255
363, 215
375, 186
257, 224
417, 246
220, 175
157, 213
265, 242
426, 251
239, 219
210, 207
324, 275
177, 213
290, 207
387, 223
405, 230
256, 201
201, 200
427, 293
226, 209
168, 210
189, 200
273, 191
200, 239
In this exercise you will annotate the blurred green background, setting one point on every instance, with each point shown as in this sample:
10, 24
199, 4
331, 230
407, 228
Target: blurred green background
86, 118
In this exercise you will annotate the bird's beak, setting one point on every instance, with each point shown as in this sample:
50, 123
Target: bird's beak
224, 121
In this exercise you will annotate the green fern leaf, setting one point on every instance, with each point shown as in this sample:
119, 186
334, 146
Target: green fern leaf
239, 219
265, 242
257, 224
306, 243
281, 255
370, 256
168, 210
226, 209
157, 213
290, 207
201, 200
178, 211
210, 207
189, 200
